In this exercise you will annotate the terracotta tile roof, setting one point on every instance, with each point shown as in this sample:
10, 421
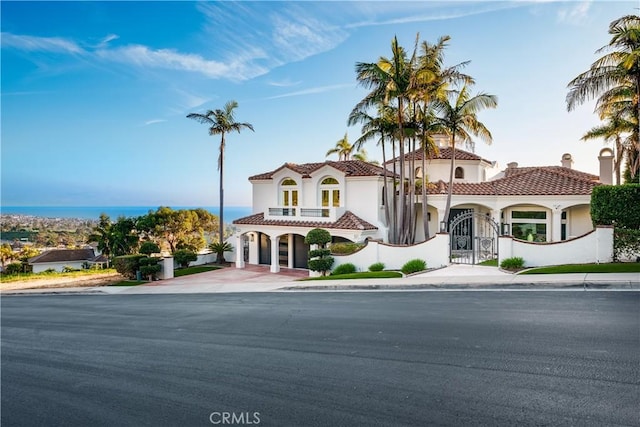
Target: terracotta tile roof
348, 167
348, 221
63, 255
528, 181
443, 153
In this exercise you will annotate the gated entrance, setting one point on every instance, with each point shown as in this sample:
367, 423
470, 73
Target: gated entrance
474, 238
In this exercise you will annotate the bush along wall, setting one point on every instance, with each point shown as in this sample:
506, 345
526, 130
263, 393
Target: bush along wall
319, 259
619, 205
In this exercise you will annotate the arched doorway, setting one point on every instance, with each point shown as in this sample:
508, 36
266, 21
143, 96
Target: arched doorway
473, 238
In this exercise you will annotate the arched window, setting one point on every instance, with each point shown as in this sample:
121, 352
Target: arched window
330, 192
289, 192
459, 173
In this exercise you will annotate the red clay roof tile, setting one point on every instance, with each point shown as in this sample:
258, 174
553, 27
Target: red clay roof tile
348, 221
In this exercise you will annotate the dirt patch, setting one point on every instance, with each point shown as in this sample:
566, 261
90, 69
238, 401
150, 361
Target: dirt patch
64, 282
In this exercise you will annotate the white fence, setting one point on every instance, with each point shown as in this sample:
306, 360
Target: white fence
434, 251
593, 247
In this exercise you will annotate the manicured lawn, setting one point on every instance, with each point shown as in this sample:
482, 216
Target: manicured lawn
361, 275
129, 283
490, 263
193, 270
615, 267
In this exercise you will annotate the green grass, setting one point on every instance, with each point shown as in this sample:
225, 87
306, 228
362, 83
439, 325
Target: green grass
193, 270
615, 267
490, 263
129, 283
361, 275
52, 275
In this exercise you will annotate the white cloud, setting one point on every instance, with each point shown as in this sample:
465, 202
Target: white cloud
575, 14
41, 44
154, 121
105, 41
313, 90
284, 83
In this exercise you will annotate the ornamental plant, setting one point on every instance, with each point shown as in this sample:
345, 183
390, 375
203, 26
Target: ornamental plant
414, 266
319, 259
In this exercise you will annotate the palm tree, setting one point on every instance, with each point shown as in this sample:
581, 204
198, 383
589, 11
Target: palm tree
342, 148
459, 118
221, 122
611, 76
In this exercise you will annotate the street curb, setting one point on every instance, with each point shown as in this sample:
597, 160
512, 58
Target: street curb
511, 286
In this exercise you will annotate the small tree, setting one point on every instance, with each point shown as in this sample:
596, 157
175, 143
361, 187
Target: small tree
128, 265
184, 256
149, 248
319, 259
149, 267
219, 249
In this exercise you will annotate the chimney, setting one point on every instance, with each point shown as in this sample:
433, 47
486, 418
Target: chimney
567, 161
606, 166
512, 165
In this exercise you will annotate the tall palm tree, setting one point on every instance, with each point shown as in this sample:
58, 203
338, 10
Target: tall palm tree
221, 122
343, 149
459, 118
616, 72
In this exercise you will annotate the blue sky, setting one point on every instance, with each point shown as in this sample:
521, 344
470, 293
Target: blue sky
95, 94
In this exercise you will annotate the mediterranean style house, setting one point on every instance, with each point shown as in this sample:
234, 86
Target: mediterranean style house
535, 204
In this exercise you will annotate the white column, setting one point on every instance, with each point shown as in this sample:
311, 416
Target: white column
556, 224
239, 251
275, 254
290, 251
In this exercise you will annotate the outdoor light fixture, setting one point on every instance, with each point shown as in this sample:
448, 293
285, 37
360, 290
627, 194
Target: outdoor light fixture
443, 226
505, 229
251, 237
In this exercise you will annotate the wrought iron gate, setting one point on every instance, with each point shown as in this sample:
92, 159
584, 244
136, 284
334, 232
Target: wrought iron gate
474, 238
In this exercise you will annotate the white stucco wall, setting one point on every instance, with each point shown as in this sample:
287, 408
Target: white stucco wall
434, 251
579, 220
58, 266
594, 247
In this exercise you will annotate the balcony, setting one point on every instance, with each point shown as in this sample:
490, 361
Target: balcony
298, 213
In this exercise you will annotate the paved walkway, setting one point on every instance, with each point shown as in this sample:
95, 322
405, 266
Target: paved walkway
259, 279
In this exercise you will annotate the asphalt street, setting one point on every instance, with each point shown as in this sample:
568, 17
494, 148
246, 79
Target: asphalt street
322, 359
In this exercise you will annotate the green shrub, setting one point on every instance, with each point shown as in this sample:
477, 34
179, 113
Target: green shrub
617, 205
69, 269
149, 267
319, 253
626, 243
149, 248
127, 265
345, 248
319, 259
13, 268
378, 266
184, 256
317, 236
414, 266
513, 263
321, 264
347, 268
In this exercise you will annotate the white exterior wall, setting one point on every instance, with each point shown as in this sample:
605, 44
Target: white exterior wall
166, 268
595, 247
434, 251
362, 197
58, 266
578, 221
439, 169
264, 195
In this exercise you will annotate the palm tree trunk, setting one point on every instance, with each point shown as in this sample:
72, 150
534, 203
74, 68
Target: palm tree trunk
385, 189
401, 207
447, 209
618, 160
425, 215
394, 195
221, 167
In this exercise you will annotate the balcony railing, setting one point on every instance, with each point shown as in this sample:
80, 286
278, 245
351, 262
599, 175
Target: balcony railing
320, 214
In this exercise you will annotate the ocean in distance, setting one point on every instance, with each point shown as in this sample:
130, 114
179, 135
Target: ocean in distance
93, 212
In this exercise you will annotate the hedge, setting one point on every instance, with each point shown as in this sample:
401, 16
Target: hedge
617, 205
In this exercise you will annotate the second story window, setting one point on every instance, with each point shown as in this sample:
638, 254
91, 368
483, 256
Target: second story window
289, 192
330, 192
459, 173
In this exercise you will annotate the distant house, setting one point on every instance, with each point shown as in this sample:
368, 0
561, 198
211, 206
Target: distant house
57, 259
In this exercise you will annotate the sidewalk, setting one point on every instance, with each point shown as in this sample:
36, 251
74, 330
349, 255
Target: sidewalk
454, 277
